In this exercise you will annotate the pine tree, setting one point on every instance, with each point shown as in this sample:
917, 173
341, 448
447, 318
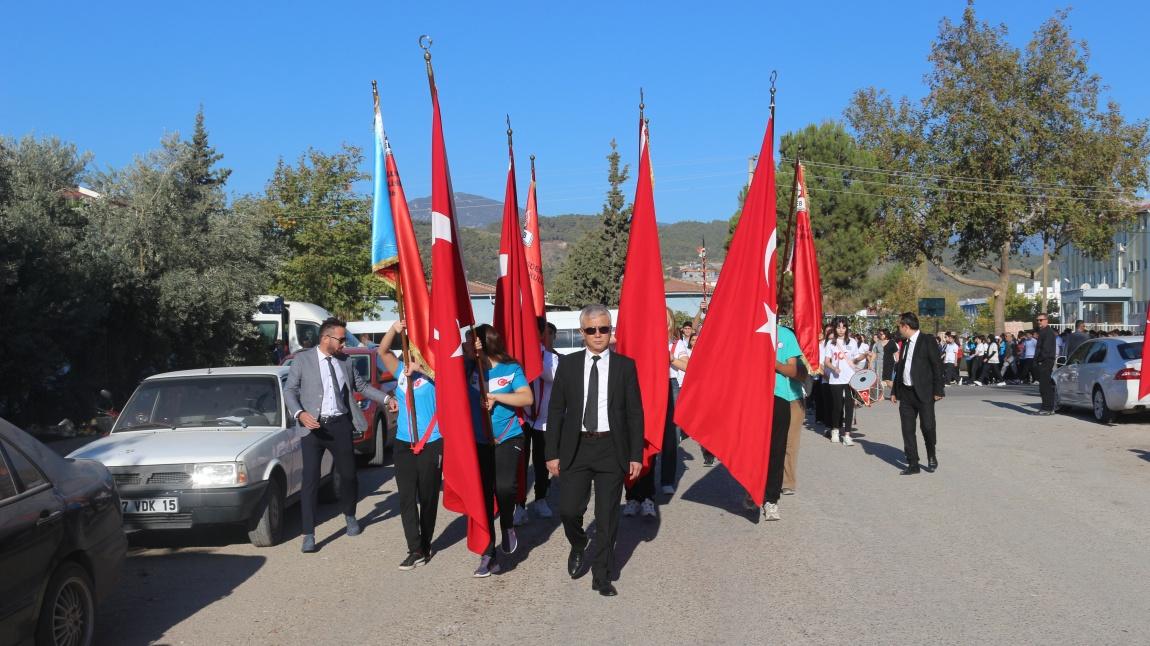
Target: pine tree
593, 271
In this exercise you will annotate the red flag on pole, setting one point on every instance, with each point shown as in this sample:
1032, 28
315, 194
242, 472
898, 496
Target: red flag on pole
515, 317
642, 326
451, 310
804, 264
412, 280
1144, 374
727, 401
532, 246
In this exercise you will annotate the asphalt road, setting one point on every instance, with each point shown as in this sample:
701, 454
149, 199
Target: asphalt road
1034, 530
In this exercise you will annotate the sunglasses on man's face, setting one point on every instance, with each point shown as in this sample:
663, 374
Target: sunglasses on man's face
339, 339
602, 329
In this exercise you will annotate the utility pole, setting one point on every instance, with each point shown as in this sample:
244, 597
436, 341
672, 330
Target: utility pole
751, 168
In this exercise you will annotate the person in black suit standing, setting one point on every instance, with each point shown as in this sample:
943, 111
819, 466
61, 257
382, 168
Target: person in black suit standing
918, 384
594, 435
1044, 356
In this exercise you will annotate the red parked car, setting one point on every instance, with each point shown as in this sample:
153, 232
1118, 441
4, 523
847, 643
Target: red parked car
372, 443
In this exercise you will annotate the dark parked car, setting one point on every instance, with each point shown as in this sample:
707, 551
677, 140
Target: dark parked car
62, 544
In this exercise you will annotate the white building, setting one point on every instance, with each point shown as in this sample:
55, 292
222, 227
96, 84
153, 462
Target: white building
1111, 292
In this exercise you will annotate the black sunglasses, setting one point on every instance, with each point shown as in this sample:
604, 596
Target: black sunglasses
341, 339
602, 329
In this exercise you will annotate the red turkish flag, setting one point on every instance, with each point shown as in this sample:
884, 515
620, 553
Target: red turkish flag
451, 310
1144, 373
727, 401
533, 247
641, 331
804, 264
515, 317
412, 281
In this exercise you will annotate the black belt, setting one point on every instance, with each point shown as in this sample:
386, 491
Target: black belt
326, 419
593, 435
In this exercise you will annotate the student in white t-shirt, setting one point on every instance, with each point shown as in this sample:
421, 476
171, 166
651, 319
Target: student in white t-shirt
841, 360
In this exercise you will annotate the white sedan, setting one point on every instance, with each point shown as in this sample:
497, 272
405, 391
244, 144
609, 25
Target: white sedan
1102, 375
207, 447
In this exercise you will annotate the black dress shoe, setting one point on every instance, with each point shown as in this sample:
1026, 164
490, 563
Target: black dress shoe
575, 562
604, 588
910, 470
932, 464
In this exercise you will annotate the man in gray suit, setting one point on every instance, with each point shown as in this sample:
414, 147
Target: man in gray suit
318, 395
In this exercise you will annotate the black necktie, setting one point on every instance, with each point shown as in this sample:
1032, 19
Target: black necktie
337, 392
591, 410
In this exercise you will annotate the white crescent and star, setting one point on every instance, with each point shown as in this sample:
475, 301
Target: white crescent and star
770, 327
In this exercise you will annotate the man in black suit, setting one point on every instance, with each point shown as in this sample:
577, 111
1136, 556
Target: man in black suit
1044, 356
594, 434
918, 384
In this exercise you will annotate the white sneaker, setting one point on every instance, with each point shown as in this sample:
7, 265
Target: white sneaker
631, 508
519, 516
847, 441
669, 490
770, 511
648, 508
835, 436
543, 509
977, 382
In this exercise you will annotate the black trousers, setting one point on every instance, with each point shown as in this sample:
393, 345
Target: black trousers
335, 436
535, 448
596, 461
910, 407
1045, 384
780, 426
842, 406
1024, 369
499, 473
418, 478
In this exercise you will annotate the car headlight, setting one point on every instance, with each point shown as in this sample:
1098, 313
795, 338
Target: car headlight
218, 474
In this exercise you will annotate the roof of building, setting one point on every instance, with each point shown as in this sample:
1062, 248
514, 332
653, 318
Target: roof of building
476, 288
676, 286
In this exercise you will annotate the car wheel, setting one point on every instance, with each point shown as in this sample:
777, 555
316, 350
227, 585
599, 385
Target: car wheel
1102, 412
67, 613
378, 457
269, 527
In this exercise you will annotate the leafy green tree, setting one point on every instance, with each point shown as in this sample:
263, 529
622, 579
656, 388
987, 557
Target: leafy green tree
1006, 145
324, 231
44, 278
593, 270
843, 218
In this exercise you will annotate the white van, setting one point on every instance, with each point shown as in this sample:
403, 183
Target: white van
302, 321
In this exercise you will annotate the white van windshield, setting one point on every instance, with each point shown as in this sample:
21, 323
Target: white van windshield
212, 400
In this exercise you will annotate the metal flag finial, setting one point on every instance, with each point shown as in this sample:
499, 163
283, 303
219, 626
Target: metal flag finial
774, 77
509, 130
427, 58
642, 105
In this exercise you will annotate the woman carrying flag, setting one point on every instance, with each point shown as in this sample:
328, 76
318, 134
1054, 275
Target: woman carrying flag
419, 458
500, 436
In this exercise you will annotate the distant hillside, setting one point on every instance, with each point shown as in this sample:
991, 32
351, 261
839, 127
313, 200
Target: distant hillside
472, 211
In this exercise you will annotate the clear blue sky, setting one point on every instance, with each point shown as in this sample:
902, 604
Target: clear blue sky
276, 78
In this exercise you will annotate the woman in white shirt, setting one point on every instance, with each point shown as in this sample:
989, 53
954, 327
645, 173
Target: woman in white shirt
839, 365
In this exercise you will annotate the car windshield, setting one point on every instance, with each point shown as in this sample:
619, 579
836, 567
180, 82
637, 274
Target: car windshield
1130, 351
212, 400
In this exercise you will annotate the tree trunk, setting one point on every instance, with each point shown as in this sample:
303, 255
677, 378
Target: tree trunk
1045, 280
997, 287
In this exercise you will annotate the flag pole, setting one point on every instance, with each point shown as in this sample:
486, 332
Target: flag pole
407, 357
794, 220
481, 356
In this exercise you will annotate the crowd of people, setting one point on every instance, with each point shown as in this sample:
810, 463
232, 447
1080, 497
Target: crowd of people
583, 418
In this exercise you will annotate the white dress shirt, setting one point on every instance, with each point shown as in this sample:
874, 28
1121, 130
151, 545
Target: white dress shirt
330, 405
604, 366
541, 388
908, 351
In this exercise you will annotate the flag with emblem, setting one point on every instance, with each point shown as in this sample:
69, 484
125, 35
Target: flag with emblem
392, 233
514, 316
641, 331
804, 266
727, 401
451, 310
532, 247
